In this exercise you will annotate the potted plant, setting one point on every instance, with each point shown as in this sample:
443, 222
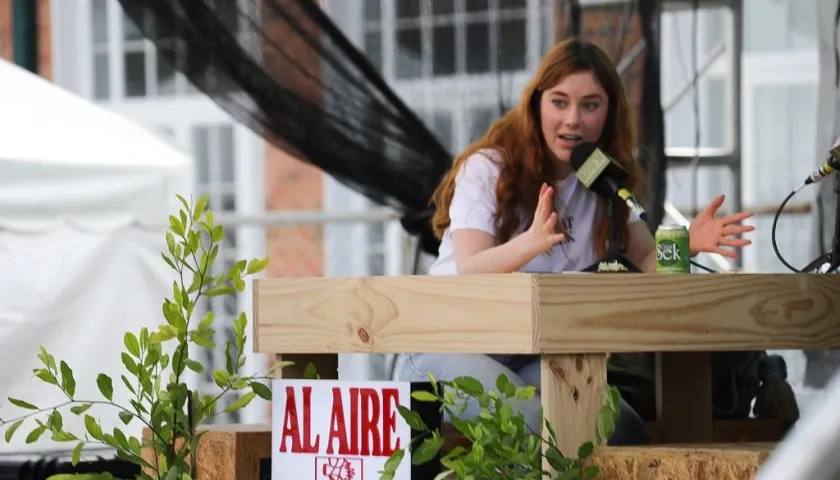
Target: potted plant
501, 446
155, 363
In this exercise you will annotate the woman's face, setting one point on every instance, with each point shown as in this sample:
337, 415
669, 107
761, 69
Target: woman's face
571, 112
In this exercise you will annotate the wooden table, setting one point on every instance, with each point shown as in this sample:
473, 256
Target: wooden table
573, 321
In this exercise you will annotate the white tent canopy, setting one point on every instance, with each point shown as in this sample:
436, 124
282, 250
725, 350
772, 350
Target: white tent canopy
84, 200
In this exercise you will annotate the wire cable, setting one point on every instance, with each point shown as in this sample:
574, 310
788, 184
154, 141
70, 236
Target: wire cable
773, 232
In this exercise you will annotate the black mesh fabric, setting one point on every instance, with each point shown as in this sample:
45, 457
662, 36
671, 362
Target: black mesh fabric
284, 70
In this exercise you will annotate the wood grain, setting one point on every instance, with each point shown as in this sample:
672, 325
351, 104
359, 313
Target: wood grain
572, 392
469, 314
541, 313
660, 313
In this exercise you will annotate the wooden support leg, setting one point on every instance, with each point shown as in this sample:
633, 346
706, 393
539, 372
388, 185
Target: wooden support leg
684, 397
572, 392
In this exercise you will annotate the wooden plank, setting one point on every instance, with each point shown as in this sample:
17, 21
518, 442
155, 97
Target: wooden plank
540, 313
684, 397
572, 392
418, 313
226, 451
662, 313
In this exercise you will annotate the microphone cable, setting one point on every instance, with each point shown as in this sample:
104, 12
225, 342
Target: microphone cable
773, 230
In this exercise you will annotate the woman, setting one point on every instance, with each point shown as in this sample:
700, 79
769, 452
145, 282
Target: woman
511, 203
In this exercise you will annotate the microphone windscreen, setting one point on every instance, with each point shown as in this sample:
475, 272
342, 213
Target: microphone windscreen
580, 154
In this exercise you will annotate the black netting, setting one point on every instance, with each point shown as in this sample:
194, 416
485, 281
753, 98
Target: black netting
283, 69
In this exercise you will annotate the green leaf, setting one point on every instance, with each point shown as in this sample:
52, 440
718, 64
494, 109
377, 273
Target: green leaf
220, 290
106, 386
194, 366
77, 453
45, 375
35, 434
570, 474
92, 427
586, 450
310, 373
256, 266
12, 428
262, 390
424, 396
556, 459
80, 409
591, 471
20, 403
68, 383
469, 385
412, 418
126, 416
132, 344
199, 207
240, 402
426, 451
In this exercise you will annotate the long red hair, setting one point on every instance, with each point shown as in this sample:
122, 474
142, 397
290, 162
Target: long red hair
526, 163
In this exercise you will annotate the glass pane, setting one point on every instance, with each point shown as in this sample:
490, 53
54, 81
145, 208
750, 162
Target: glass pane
409, 55
478, 48
226, 154
785, 120
135, 74
443, 50
408, 9
765, 25
441, 125
373, 48
479, 120
100, 21
228, 204
101, 77
443, 7
130, 29
476, 5
512, 5
512, 45
201, 153
373, 10
165, 70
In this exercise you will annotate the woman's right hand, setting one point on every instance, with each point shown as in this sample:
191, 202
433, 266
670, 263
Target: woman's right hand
541, 235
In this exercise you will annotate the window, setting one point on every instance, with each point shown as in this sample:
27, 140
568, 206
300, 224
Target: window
144, 70
438, 38
779, 24
213, 148
780, 121
712, 119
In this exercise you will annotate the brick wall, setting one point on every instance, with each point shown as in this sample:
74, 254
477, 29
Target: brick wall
291, 184
44, 35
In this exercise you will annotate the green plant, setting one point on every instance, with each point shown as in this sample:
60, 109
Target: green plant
155, 363
502, 447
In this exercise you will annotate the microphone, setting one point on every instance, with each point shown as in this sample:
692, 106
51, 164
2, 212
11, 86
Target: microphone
604, 176
830, 166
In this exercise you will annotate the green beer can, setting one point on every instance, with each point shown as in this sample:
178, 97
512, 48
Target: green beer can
672, 249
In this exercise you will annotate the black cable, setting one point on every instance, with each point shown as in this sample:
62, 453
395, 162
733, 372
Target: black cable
773, 232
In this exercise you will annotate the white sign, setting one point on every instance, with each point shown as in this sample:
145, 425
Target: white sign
338, 430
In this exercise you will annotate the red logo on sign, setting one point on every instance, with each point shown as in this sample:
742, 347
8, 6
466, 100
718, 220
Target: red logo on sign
338, 468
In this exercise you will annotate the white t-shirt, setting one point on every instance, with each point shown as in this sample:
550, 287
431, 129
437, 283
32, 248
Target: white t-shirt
473, 206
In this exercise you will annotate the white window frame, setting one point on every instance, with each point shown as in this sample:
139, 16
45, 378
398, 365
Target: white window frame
72, 47
457, 95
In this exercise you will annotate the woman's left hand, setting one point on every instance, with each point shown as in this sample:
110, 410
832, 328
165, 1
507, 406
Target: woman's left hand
708, 234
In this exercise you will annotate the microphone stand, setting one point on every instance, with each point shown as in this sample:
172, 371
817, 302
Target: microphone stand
615, 261
830, 261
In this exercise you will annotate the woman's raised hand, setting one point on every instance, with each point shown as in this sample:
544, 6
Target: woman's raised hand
541, 235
